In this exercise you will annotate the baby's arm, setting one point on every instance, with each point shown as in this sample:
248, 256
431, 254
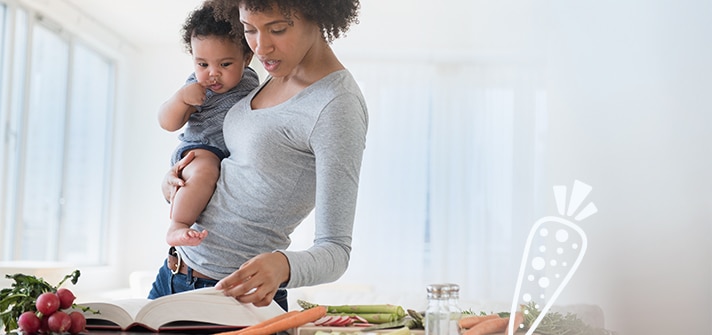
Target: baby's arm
174, 113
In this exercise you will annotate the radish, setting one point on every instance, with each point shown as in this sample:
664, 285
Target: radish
66, 298
357, 318
343, 321
324, 320
59, 322
47, 303
29, 322
79, 322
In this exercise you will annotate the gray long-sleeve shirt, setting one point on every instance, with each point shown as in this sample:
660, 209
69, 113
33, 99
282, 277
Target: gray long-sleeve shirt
285, 161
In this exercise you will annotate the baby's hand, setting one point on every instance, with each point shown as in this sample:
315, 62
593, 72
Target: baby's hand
194, 94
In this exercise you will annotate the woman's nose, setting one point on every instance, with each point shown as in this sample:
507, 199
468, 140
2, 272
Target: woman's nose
264, 44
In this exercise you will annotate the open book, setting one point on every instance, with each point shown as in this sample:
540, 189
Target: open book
205, 308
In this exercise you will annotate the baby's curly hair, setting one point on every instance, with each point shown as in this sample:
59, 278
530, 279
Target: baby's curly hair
334, 17
203, 21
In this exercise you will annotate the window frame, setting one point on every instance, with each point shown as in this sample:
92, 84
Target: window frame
11, 170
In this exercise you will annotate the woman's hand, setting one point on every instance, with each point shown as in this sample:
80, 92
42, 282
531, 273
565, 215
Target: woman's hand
258, 279
173, 179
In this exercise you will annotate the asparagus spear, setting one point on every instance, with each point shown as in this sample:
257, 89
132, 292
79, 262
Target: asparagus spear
371, 313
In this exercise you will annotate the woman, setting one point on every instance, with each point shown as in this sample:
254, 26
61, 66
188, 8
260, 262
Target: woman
296, 144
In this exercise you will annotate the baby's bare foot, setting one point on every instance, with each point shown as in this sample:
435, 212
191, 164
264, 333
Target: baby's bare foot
185, 237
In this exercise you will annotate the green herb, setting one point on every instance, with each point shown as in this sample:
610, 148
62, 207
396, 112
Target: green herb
554, 323
22, 295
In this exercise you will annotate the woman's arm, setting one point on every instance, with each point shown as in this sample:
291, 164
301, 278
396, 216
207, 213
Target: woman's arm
338, 141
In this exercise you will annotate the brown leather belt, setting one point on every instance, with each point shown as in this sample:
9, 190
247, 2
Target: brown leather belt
176, 264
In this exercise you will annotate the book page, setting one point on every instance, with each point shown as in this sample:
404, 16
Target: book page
204, 305
121, 311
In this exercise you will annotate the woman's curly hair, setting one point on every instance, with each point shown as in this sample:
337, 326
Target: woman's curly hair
334, 17
203, 21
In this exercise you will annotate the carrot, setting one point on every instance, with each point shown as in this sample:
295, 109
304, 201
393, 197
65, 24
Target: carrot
491, 326
266, 322
281, 323
518, 319
467, 322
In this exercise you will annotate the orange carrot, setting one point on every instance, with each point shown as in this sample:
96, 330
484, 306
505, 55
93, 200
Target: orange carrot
491, 326
518, 319
466, 322
265, 322
281, 323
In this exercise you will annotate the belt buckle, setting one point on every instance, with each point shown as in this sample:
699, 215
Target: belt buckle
178, 264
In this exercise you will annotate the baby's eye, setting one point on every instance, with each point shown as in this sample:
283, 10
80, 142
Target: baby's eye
226, 64
203, 64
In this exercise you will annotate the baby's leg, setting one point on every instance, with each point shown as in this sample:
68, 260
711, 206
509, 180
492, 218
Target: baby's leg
200, 177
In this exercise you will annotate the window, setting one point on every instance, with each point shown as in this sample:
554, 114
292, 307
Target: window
58, 97
449, 175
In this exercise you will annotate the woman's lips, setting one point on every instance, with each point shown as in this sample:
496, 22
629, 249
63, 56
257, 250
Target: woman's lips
270, 65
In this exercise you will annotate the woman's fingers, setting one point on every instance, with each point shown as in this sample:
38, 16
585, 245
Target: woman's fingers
257, 280
173, 180
183, 162
258, 298
239, 286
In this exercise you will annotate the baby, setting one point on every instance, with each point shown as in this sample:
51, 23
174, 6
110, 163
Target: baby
221, 77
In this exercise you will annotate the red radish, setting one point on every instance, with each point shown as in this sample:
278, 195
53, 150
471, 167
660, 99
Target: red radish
66, 298
29, 322
343, 321
334, 321
47, 303
360, 319
79, 322
44, 327
322, 320
59, 322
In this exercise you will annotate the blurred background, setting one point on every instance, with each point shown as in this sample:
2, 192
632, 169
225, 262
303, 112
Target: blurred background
477, 109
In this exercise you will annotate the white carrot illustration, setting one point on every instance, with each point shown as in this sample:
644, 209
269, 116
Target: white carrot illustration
553, 251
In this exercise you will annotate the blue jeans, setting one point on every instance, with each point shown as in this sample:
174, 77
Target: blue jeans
168, 283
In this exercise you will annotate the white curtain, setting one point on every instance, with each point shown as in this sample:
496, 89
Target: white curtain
449, 174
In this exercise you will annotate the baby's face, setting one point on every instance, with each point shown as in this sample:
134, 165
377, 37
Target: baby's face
219, 62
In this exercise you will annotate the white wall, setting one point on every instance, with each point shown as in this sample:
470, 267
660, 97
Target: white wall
144, 213
629, 113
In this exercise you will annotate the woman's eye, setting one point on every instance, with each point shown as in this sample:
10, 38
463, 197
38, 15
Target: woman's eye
248, 30
279, 31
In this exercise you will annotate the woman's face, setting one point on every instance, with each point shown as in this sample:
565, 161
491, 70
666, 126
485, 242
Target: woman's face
281, 44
